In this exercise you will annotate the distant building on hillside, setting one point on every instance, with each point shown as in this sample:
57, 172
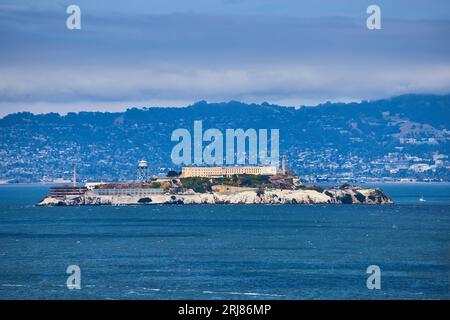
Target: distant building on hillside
212, 172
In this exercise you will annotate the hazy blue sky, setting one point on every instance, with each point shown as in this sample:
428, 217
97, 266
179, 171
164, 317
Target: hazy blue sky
172, 53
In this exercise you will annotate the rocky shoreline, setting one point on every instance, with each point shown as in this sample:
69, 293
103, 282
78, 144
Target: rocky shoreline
248, 196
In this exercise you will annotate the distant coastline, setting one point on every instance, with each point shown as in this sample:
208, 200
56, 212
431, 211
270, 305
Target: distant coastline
316, 183
404, 137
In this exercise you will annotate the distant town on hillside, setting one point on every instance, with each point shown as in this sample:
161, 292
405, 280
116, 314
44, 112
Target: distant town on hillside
405, 137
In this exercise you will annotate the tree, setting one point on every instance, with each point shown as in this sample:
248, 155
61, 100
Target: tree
173, 173
144, 200
197, 184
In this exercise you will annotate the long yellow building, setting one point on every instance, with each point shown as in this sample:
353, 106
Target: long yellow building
212, 172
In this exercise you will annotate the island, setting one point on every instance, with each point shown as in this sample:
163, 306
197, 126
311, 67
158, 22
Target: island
234, 189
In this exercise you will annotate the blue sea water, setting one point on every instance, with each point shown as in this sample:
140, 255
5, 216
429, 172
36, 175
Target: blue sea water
227, 252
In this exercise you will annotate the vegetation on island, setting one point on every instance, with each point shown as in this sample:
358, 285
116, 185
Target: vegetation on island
199, 184
155, 185
145, 200
204, 185
173, 174
311, 187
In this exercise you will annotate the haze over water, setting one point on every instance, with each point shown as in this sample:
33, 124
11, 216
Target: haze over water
227, 252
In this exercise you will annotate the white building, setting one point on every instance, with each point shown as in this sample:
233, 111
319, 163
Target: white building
212, 172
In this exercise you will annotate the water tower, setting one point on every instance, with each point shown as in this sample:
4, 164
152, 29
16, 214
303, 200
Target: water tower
142, 175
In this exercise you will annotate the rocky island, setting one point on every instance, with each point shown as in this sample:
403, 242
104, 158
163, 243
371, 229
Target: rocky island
238, 189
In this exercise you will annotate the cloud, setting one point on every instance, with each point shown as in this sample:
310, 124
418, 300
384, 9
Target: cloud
276, 83
181, 58
410, 9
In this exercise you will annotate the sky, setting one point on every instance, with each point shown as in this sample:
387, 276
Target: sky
144, 53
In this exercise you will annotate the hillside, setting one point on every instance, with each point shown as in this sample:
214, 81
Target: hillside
405, 136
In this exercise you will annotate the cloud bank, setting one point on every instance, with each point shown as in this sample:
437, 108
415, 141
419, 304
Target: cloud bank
179, 58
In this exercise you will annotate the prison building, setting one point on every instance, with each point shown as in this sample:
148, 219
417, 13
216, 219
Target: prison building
61, 192
214, 172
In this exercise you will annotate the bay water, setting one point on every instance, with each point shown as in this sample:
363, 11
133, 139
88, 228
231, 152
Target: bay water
227, 251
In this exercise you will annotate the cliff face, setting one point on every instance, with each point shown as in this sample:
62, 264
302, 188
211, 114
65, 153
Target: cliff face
348, 195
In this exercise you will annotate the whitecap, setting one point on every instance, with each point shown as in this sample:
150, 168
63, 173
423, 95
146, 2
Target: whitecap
12, 285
